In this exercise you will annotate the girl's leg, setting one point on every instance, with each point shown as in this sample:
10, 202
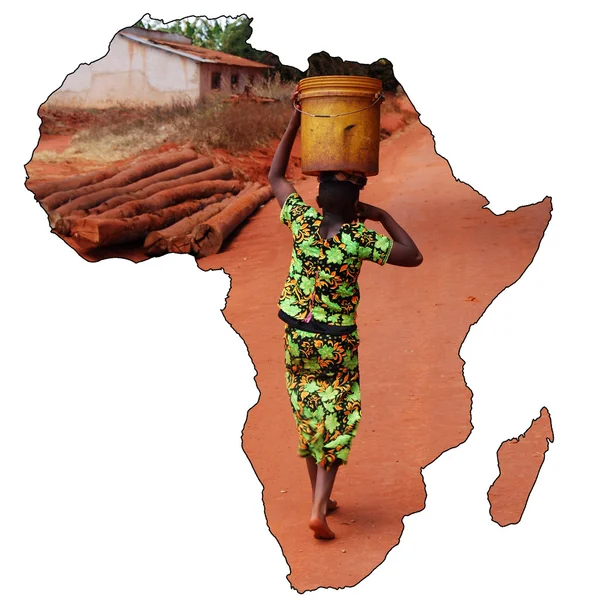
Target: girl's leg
311, 465
323, 487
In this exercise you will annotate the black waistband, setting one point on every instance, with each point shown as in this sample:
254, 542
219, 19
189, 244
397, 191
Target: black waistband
315, 326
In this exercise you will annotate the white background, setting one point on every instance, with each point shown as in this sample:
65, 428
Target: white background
124, 390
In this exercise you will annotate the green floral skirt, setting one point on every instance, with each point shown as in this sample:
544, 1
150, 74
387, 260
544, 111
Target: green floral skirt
323, 383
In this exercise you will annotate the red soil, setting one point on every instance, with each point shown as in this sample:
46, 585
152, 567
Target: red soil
40, 171
520, 461
412, 322
65, 121
255, 165
48, 171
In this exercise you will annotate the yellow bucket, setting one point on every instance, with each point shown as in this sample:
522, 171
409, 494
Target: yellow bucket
340, 124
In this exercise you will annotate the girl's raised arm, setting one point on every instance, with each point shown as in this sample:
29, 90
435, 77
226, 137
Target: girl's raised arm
404, 251
282, 188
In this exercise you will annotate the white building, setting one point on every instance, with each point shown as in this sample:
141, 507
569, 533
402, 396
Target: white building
151, 67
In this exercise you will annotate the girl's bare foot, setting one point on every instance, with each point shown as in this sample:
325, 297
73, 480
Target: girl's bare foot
320, 529
331, 506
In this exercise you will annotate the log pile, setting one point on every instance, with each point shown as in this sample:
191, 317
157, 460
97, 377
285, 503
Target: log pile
175, 201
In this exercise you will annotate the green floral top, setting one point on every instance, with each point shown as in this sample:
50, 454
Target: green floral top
322, 283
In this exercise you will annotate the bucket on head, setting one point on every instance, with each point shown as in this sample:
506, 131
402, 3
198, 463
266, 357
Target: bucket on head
340, 124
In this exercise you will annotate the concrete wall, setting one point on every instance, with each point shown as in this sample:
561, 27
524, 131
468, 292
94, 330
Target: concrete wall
135, 73
131, 73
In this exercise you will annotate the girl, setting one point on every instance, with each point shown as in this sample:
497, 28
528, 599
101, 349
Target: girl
318, 305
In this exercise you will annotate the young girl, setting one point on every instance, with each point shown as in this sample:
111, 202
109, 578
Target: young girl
318, 305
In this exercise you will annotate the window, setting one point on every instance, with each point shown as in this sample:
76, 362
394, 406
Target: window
234, 81
216, 81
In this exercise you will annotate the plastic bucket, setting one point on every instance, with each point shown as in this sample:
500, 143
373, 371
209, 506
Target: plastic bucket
340, 124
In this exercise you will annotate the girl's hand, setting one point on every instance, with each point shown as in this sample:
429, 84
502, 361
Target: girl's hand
369, 212
294, 96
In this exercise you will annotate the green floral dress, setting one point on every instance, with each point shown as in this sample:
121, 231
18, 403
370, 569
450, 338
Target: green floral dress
322, 375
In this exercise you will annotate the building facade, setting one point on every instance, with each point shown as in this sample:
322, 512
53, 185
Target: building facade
151, 67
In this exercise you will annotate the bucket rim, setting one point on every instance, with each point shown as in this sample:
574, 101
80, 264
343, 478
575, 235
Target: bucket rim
336, 81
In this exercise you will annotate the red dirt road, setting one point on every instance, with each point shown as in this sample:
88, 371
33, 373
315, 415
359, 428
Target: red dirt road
411, 322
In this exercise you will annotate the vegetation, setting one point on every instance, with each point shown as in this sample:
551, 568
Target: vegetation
225, 35
216, 34
232, 35
209, 123
122, 131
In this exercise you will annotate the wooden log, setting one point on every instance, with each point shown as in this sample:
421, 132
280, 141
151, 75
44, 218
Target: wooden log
44, 189
181, 242
203, 189
99, 231
88, 201
63, 225
156, 242
133, 173
220, 172
207, 238
176, 237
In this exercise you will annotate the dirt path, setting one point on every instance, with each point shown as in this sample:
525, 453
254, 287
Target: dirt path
412, 323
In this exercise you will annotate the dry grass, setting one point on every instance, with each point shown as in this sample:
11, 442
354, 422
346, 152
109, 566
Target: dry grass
122, 132
49, 156
61, 120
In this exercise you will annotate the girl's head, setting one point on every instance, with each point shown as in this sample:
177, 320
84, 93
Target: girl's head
340, 196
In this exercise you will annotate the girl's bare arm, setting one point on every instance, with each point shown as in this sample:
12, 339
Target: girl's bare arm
404, 251
282, 188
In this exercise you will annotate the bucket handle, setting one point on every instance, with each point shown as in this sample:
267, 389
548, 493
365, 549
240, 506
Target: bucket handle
377, 99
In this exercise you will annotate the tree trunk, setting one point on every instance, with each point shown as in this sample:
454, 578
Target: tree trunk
133, 173
64, 225
176, 238
88, 201
208, 237
99, 231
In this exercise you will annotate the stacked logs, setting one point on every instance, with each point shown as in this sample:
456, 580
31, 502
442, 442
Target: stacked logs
175, 201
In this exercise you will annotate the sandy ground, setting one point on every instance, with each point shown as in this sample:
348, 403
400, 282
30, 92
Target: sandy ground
411, 321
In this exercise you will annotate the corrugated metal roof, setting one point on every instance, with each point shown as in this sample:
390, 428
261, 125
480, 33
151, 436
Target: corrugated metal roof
198, 53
